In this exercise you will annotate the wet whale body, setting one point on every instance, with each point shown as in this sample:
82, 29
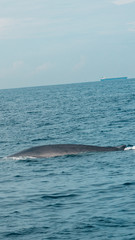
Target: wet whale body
55, 150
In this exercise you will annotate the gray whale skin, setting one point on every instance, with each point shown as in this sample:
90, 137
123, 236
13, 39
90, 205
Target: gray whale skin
55, 150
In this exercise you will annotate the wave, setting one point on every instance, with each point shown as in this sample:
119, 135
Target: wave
19, 158
129, 148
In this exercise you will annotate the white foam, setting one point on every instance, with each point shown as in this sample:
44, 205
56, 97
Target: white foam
129, 148
20, 158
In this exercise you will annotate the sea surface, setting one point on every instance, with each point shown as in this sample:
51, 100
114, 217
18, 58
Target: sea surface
86, 196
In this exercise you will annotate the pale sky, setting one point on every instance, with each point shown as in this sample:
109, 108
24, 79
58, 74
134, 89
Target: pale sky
45, 42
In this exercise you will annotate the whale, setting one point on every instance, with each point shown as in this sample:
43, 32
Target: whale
47, 151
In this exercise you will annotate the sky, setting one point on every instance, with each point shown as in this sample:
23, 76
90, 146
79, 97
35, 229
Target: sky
46, 42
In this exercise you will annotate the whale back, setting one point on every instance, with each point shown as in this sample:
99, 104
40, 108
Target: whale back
46, 151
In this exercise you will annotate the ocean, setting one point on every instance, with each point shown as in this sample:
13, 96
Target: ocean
85, 196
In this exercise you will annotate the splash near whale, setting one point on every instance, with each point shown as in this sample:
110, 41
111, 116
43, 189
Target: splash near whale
55, 150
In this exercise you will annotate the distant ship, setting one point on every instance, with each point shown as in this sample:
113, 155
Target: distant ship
118, 78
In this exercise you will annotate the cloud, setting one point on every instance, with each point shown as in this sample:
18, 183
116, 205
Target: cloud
17, 65
122, 2
80, 64
13, 28
5, 25
12, 69
131, 27
42, 68
10, 27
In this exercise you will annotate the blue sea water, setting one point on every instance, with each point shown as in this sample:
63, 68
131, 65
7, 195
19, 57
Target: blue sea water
87, 196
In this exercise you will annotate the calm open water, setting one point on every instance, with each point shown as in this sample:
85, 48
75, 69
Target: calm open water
87, 196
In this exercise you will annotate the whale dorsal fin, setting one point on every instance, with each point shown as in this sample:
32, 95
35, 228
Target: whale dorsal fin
121, 147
